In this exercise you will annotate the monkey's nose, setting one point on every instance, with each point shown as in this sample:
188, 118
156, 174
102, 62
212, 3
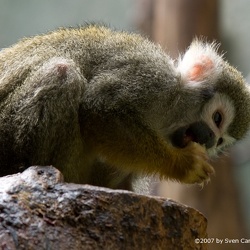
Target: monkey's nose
219, 142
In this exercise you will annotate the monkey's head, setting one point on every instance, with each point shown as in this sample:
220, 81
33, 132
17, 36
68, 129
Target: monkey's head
220, 99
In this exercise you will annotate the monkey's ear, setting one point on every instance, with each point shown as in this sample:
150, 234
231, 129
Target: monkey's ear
200, 62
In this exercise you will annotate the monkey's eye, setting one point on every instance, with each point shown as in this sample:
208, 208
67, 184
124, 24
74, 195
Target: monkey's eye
217, 118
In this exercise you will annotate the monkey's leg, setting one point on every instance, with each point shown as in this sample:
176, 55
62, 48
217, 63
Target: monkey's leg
44, 114
105, 175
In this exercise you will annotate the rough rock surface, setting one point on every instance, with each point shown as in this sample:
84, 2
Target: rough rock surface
39, 211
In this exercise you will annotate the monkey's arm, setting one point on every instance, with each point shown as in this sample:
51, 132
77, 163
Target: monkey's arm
131, 146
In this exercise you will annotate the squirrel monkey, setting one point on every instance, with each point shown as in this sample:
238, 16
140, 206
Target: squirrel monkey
104, 106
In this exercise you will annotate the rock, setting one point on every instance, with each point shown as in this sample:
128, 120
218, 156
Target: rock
39, 211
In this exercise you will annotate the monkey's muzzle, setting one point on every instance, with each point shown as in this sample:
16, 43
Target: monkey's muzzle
198, 132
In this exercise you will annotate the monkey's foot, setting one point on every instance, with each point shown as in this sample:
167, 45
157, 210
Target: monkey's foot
200, 170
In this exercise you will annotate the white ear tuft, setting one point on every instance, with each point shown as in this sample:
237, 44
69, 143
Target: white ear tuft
200, 62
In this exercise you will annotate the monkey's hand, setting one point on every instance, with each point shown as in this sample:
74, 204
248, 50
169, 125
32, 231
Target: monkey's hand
198, 170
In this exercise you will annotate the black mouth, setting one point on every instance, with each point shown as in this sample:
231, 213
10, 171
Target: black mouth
182, 137
198, 132
188, 137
